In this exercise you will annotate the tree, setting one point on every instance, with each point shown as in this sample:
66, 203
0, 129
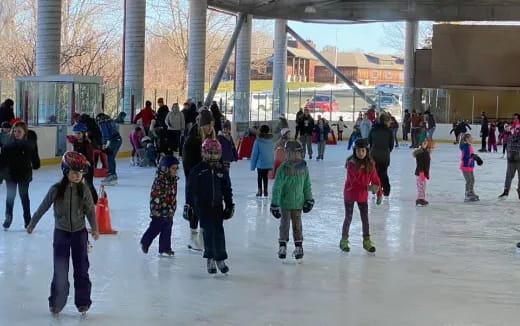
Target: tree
395, 36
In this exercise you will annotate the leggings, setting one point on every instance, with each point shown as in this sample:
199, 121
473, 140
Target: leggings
504, 148
262, 179
349, 210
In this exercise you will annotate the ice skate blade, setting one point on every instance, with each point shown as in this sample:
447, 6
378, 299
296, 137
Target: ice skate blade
194, 248
299, 261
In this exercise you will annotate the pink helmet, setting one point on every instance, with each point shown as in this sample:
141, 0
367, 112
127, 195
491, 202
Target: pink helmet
211, 149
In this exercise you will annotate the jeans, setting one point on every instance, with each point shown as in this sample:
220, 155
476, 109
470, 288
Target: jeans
306, 141
214, 238
415, 136
288, 216
113, 148
430, 133
162, 227
65, 243
349, 210
382, 172
321, 148
23, 191
512, 168
406, 131
394, 133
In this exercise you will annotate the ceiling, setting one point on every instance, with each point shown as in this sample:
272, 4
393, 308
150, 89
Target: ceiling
345, 11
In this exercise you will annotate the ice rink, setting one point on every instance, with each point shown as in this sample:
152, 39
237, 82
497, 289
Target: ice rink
452, 263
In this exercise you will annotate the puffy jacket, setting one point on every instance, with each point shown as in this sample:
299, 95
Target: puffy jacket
431, 121
467, 163
191, 154
190, 115
108, 130
207, 188
162, 112
365, 125
163, 197
70, 212
146, 115
422, 158
356, 185
135, 140
381, 142
323, 133
175, 120
229, 151
263, 154
292, 186
18, 159
306, 125
416, 120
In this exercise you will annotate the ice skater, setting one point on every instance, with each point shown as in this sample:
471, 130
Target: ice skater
492, 138
208, 187
361, 177
81, 144
505, 138
229, 151
322, 131
467, 165
513, 163
292, 194
72, 202
163, 204
422, 169
262, 159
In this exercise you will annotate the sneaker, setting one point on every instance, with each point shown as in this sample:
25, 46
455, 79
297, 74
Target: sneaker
298, 252
168, 253
367, 244
282, 251
7, 222
344, 245
212, 266
222, 267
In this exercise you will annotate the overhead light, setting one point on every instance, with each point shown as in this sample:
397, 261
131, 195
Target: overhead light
310, 10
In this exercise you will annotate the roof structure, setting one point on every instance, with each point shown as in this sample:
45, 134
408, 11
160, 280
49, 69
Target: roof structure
301, 53
365, 60
342, 11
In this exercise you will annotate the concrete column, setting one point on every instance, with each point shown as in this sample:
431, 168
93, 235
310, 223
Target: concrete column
243, 67
48, 40
134, 55
411, 35
197, 49
280, 68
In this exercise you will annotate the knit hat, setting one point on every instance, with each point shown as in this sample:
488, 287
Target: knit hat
264, 129
361, 143
79, 127
205, 118
166, 162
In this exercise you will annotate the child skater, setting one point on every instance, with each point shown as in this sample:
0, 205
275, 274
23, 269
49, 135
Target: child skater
81, 144
208, 187
72, 201
262, 158
361, 178
492, 138
467, 165
292, 194
422, 170
505, 139
135, 138
163, 203
229, 151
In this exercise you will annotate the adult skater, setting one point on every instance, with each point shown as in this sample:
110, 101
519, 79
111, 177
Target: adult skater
365, 125
146, 115
306, 127
176, 125
7, 111
513, 163
484, 131
430, 125
407, 120
322, 131
381, 145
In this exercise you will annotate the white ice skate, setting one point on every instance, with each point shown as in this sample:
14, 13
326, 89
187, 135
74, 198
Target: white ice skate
111, 180
196, 241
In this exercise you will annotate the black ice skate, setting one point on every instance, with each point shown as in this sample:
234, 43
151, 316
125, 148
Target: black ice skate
83, 309
504, 194
298, 252
54, 311
222, 267
7, 222
282, 251
212, 266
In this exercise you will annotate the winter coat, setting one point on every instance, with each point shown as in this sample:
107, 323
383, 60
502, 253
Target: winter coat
217, 116
84, 147
505, 137
175, 120
407, 120
381, 143
323, 133
146, 115
422, 159
191, 154
263, 154
93, 130
306, 125
163, 197
484, 128
207, 188
365, 125
357, 182
162, 112
516, 123
190, 115
513, 147
467, 163
18, 159
416, 120
229, 151
135, 140
6, 113
70, 212
341, 126
108, 130
292, 186
371, 114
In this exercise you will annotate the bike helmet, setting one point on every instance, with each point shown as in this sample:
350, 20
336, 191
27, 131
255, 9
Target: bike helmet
74, 161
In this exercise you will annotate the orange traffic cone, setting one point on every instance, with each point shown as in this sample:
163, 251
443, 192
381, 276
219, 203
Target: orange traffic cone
103, 213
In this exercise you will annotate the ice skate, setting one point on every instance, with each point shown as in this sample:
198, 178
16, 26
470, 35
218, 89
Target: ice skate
111, 180
54, 311
421, 202
194, 241
344, 245
167, 253
518, 245
266, 194
298, 253
504, 194
367, 245
144, 248
212, 266
83, 309
7, 222
222, 267
282, 251
259, 193
518, 192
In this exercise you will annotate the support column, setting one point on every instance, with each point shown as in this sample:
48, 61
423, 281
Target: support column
48, 40
411, 36
243, 67
280, 68
134, 56
197, 49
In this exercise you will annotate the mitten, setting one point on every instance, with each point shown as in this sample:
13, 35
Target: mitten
373, 188
308, 205
477, 159
379, 200
276, 211
188, 212
229, 211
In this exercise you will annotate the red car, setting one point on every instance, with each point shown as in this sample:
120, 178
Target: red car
322, 103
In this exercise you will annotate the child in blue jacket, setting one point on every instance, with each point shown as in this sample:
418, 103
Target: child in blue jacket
263, 158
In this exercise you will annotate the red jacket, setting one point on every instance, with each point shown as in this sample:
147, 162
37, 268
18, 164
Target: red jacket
356, 185
147, 115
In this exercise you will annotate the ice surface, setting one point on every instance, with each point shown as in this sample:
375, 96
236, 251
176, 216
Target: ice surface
452, 263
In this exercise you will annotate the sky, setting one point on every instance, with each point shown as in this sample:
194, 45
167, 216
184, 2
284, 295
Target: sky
350, 37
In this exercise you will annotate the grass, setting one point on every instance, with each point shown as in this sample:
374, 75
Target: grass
264, 85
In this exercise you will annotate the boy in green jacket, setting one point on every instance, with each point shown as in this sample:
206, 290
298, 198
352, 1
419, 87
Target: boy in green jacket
292, 193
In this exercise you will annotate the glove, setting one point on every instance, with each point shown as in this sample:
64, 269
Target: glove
276, 211
477, 159
379, 200
188, 212
229, 211
373, 188
308, 205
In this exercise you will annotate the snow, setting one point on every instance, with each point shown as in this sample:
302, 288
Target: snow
452, 263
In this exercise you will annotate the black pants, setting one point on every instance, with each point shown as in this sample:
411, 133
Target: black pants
349, 211
415, 136
504, 148
382, 172
89, 179
65, 243
23, 191
262, 179
214, 238
483, 143
162, 227
173, 140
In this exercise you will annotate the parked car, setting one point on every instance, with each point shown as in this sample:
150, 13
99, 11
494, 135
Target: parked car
388, 89
323, 103
261, 101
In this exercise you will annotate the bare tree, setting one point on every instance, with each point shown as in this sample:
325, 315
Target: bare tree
394, 36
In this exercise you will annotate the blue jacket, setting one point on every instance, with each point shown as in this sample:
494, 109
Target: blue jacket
207, 188
108, 130
229, 151
263, 154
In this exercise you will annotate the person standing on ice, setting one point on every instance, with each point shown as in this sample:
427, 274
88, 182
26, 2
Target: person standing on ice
306, 127
381, 145
361, 178
422, 170
322, 131
365, 125
163, 203
81, 144
229, 151
72, 202
262, 159
200, 131
513, 162
292, 194
467, 165
210, 197
484, 131
112, 141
